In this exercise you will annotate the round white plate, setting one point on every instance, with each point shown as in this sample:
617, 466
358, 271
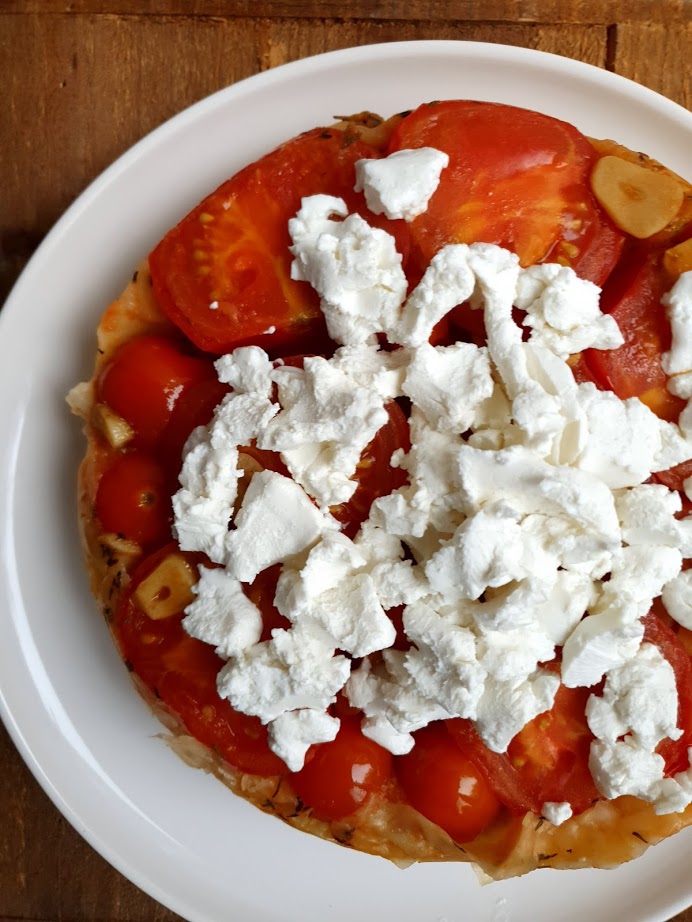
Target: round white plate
65, 696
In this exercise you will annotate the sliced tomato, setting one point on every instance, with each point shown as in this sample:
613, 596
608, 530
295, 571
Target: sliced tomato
261, 592
133, 499
223, 274
144, 381
551, 753
665, 638
181, 672
374, 473
633, 298
341, 776
515, 178
445, 786
675, 477
496, 767
548, 760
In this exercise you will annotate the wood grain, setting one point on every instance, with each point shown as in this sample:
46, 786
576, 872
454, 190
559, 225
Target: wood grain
582, 12
82, 81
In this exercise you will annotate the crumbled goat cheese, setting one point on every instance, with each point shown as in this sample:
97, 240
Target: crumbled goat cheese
275, 521
221, 614
556, 813
678, 304
401, 185
291, 734
677, 598
354, 268
295, 669
526, 523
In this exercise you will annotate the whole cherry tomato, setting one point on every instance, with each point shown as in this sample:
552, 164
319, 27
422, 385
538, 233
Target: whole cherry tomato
339, 777
145, 379
445, 786
133, 499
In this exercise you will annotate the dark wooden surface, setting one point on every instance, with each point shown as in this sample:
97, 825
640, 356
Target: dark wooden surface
81, 82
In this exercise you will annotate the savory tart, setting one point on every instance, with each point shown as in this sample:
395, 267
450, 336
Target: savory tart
386, 481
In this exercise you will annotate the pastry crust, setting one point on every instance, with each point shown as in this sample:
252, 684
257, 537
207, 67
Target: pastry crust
604, 836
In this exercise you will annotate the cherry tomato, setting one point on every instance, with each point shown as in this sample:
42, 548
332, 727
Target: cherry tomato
133, 499
262, 593
341, 776
194, 407
181, 672
633, 298
223, 274
445, 786
515, 178
665, 638
144, 381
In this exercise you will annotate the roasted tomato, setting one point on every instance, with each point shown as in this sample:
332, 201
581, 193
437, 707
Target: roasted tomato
374, 474
181, 672
144, 381
633, 298
223, 274
516, 178
445, 786
133, 499
548, 760
667, 641
341, 776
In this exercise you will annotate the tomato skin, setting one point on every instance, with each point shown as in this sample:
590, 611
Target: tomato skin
195, 407
232, 249
445, 786
551, 753
633, 298
341, 776
665, 638
495, 767
133, 499
144, 381
515, 178
181, 672
374, 473
548, 760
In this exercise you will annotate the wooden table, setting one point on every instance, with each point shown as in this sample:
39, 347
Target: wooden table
84, 80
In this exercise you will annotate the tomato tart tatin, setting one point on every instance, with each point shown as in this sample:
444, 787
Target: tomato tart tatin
387, 488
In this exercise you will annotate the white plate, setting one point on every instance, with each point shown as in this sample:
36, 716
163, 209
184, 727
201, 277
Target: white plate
64, 695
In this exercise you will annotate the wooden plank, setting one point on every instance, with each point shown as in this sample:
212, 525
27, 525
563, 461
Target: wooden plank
640, 44
584, 12
93, 85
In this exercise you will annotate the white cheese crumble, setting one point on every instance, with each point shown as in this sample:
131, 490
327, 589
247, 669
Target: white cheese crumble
526, 524
401, 185
556, 813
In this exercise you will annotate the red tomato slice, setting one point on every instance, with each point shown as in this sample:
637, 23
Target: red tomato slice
262, 593
181, 672
633, 298
495, 767
445, 786
515, 178
195, 407
341, 776
551, 753
548, 760
133, 499
374, 473
665, 638
144, 381
231, 251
